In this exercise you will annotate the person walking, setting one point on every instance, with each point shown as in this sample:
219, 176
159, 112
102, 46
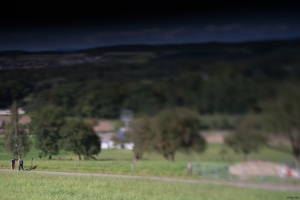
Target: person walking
20, 162
12, 164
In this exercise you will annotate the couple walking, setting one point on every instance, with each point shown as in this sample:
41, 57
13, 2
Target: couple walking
20, 164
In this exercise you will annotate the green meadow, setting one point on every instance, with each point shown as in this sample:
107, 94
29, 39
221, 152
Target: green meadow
119, 161
27, 185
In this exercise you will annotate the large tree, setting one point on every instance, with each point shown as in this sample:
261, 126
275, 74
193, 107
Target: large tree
46, 126
282, 115
15, 141
247, 137
176, 129
141, 136
81, 139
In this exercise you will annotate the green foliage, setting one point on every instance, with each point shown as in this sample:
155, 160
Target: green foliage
247, 137
15, 141
80, 139
141, 136
46, 126
220, 121
16, 145
208, 78
14, 89
143, 97
167, 132
177, 129
282, 115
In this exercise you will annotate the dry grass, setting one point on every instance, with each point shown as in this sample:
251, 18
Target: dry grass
255, 167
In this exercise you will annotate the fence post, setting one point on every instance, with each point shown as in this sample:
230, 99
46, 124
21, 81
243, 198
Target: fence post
298, 171
243, 171
202, 170
74, 163
189, 168
260, 174
31, 162
217, 171
281, 174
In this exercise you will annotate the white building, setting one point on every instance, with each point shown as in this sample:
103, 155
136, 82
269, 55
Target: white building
107, 143
7, 112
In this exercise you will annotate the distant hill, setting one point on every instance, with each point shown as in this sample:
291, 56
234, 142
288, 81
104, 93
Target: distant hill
142, 54
194, 47
211, 77
25, 53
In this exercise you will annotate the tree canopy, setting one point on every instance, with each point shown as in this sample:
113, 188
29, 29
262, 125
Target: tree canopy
80, 139
46, 126
247, 137
282, 115
141, 136
16, 137
177, 129
169, 131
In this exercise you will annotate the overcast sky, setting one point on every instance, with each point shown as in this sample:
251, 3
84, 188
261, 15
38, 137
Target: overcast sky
52, 25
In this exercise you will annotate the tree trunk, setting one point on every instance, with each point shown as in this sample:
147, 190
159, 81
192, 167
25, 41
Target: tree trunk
244, 157
171, 157
294, 140
79, 156
296, 152
50, 156
296, 160
135, 157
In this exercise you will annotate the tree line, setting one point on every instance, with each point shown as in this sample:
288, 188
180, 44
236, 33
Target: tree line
228, 94
178, 129
168, 131
52, 133
206, 85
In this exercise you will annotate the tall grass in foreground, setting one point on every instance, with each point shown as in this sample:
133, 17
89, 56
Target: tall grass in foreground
26, 185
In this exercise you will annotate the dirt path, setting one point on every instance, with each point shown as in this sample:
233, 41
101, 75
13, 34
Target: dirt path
280, 187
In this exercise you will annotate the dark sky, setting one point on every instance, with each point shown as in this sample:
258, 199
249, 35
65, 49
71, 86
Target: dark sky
52, 25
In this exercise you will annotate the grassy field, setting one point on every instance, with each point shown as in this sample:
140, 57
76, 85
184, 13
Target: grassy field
18, 185
28, 185
118, 161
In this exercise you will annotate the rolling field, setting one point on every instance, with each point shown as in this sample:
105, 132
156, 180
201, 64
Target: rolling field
29, 185
118, 161
19, 185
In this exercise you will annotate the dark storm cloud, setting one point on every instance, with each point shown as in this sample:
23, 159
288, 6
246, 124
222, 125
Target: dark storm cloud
45, 25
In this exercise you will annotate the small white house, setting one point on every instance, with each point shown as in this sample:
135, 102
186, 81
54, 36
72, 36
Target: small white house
107, 143
7, 112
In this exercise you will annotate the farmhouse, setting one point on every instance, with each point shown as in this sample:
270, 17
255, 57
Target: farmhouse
7, 112
107, 143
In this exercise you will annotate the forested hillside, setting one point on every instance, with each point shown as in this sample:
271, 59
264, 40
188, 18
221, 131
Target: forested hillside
210, 78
